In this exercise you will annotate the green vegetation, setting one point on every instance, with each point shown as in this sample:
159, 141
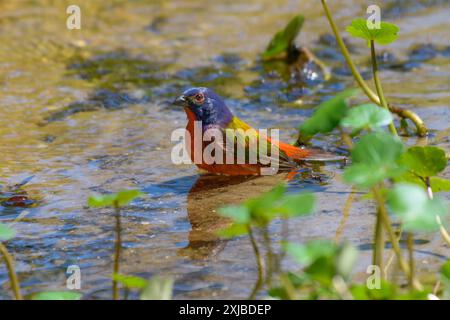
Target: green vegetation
116, 200
377, 159
399, 180
283, 41
387, 35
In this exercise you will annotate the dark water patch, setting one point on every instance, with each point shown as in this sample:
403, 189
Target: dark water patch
446, 52
180, 185
99, 99
416, 56
229, 59
117, 69
399, 8
344, 71
218, 77
120, 78
327, 48
423, 52
106, 162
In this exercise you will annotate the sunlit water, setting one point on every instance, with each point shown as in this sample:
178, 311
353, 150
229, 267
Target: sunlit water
88, 111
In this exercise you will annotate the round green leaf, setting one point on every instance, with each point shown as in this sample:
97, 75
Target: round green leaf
262, 207
424, 161
412, 206
328, 114
374, 159
386, 34
305, 254
378, 148
6, 232
439, 184
366, 116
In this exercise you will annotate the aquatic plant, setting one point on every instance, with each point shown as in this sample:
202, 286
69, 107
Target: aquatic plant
117, 201
282, 47
386, 34
400, 181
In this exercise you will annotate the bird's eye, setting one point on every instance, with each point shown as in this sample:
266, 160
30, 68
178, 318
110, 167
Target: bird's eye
199, 98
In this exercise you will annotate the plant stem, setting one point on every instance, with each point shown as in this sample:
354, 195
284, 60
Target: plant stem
392, 256
420, 126
9, 260
259, 264
372, 96
117, 249
394, 241
378, 249
442, 229
288, 286
284, 239
270, 256
378, 86
346, 138
345, 215
408, 114
410, 242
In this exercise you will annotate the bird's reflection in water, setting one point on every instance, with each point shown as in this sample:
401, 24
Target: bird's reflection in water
207, 195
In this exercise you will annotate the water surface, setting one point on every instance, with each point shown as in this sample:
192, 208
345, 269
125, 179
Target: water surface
88, 111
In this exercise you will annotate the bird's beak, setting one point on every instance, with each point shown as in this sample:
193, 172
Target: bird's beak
180, 101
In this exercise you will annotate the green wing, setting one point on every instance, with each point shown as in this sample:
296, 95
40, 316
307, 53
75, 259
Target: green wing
247, 143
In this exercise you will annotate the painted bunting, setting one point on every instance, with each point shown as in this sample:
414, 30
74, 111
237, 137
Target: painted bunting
206, 110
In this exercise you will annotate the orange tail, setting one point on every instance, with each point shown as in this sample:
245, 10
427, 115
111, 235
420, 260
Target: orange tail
297, 153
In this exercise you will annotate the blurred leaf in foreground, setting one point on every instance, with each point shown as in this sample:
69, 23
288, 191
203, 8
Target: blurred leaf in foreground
374, 159
323, 259
262, 210
437, 184
424, 161
158, 288
327, 115
119, 199
411, 205
305, 254
6, 232
366, 116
